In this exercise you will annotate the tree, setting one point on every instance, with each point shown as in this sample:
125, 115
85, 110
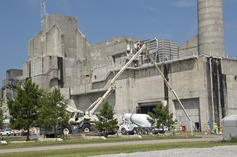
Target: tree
1, 118
161, 117
24, 107
52, 114
106, 123
1, 102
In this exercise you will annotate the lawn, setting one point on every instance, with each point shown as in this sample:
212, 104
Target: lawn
89, 151
36, 143
105, 150
83, 141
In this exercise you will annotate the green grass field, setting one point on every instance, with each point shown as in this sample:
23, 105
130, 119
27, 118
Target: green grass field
118, 149
108, 149
80, 141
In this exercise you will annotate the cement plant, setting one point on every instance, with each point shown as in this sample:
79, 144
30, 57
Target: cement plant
203, 80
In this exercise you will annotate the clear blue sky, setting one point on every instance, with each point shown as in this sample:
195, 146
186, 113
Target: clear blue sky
101, 20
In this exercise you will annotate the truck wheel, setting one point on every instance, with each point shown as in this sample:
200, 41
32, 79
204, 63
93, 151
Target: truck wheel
137, 131
123, 131
147, 131
86, 128
153, 131
140, 131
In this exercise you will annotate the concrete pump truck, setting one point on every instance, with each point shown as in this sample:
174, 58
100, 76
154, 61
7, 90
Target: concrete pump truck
83, 121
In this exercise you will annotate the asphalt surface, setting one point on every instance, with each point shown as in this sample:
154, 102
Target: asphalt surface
204, 138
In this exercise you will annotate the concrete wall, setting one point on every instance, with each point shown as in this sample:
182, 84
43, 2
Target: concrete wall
192, 105
68, 26
7, 93
72, 72
145, 85
42, 80
26, 70
149, 86
51, 42
83, 46
13, 77
61, 39
12, 73
35, 47
189, 48
188, 79
104, 55
85, 100
1, 93
125, 94
229, 68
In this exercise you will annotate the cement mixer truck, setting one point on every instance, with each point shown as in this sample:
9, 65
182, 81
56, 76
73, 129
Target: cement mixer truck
137, 124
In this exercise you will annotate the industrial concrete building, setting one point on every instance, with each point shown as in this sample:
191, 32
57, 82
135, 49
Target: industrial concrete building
60, 56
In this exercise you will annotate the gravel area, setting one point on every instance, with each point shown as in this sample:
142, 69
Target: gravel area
220, 151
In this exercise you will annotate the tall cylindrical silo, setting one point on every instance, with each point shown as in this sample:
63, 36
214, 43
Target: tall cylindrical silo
210, 28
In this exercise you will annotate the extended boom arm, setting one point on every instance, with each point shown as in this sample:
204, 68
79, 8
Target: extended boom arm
169, 86
96, 104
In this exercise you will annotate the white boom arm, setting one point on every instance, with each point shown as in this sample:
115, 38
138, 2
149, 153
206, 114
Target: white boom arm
169, 86
72, 109
96, 104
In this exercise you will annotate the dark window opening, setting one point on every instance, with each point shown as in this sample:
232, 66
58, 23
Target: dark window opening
146, 107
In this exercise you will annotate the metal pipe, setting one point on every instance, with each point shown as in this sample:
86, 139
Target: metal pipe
212, 97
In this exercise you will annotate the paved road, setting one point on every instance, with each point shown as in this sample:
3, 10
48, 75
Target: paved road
204, 138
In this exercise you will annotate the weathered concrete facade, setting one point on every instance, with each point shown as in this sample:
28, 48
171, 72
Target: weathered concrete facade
13, 78
60, 56
190, 48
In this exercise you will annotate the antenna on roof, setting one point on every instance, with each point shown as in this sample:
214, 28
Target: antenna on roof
44, 14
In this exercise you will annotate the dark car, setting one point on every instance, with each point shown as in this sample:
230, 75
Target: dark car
24, 133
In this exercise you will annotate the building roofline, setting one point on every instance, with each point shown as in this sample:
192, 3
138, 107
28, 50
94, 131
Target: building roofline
145, 66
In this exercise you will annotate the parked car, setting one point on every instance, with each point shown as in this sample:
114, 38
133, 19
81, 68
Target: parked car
6, 132
24, 133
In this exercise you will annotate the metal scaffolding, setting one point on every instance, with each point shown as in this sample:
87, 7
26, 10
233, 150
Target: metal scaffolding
161, 50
